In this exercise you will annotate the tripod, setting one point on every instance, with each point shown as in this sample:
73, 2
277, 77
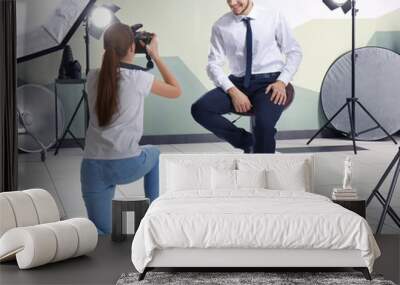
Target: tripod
83, 100
387, 209
353, 100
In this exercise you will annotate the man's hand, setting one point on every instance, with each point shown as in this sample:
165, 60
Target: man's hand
240, 101
278, 92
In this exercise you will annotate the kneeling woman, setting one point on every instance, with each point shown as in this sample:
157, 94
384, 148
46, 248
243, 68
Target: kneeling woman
116, 96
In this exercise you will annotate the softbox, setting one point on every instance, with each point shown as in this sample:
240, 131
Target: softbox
49, 32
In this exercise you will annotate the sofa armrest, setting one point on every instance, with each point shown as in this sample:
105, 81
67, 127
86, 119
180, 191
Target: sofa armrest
41, 244
26, 208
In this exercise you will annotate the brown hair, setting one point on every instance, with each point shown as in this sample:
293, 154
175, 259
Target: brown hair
118, 38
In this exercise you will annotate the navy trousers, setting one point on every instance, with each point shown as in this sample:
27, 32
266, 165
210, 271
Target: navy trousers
208, 111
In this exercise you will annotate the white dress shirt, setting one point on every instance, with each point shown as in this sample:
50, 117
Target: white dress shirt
274, 47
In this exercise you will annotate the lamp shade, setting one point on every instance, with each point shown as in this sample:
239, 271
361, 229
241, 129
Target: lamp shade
340, 2
334, 4
100, 18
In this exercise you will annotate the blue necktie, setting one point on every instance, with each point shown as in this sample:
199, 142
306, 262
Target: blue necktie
249, 52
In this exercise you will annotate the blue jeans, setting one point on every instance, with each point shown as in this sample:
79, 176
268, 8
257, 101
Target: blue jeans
208, 111
99, 178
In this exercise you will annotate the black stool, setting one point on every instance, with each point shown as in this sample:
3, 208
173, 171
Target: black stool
138, 205
290, 93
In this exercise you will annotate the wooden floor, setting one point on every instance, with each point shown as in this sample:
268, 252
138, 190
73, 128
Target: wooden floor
103, 266
106, 264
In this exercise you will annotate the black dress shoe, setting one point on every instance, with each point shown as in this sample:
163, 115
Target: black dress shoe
248, 149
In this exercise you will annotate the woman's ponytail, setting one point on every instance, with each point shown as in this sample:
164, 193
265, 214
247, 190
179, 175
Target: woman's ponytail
107, 88
118, 38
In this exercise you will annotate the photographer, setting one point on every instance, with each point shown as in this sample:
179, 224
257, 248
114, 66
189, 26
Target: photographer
116, 96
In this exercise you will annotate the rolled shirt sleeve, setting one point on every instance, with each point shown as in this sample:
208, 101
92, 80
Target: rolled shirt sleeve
216, 61
290, 48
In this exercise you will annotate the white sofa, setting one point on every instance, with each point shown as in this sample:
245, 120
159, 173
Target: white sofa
31, 231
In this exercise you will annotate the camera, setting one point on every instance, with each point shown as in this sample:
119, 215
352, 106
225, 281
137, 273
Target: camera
145, 37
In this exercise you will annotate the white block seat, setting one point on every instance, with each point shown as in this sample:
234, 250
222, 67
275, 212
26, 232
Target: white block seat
31, 231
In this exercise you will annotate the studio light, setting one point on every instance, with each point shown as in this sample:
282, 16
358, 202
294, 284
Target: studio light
334, 4
97, 21
53, 32
101, 17
351, 102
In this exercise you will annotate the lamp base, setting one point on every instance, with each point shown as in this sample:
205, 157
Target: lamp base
350, 104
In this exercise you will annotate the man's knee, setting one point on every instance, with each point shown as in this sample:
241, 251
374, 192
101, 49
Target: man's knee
197, 109
209, 102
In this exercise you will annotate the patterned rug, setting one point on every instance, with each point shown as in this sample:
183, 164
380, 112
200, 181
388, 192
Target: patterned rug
253, 278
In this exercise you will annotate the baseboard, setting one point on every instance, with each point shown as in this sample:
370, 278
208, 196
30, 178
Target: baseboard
210, 138
305, 134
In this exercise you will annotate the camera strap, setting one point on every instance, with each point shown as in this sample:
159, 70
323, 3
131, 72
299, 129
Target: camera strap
132, 66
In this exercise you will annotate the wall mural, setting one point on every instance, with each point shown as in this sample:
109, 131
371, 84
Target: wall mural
184, 29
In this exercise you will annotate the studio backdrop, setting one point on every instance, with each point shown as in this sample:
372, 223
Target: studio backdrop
184, 27
8, 130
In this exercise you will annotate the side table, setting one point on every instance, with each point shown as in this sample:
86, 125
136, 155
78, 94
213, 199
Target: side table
124, 208
357, 206
83, 100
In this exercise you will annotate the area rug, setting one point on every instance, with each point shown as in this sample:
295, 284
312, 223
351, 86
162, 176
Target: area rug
253, 278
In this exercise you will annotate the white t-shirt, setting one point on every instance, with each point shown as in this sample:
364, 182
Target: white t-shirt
120, 139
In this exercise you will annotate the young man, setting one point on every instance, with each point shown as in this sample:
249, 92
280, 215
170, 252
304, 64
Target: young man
263, 57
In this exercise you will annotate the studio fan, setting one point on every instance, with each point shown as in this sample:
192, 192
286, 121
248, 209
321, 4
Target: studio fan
37, 119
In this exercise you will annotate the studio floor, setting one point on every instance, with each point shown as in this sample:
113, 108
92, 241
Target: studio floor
60, 175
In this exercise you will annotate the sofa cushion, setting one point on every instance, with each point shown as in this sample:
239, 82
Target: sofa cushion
45, 205
41, 244
27, 208
7, 220
23, 208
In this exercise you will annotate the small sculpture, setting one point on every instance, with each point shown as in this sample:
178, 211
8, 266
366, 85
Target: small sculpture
347, 174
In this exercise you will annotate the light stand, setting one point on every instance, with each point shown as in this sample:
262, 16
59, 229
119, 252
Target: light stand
353, 100
87, 45
387, 209
95, 31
